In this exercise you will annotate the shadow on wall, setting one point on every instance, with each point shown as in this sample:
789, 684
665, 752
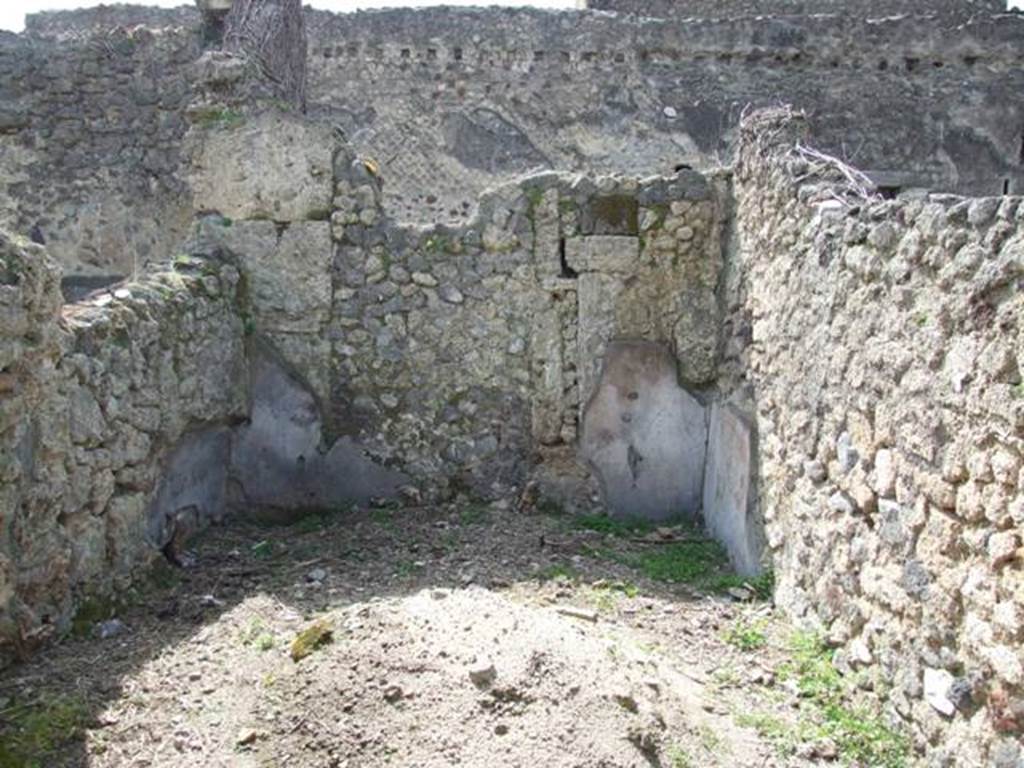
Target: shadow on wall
280, 467
658, 451
274, 467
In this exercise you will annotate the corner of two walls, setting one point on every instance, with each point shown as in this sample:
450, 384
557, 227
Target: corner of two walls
883, 342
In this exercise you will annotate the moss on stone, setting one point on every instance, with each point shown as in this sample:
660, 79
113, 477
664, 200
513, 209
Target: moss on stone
316, 635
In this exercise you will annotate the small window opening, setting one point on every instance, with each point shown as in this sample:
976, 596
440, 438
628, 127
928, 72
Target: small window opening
1006, 187
889, 191
1020, 151
567, 271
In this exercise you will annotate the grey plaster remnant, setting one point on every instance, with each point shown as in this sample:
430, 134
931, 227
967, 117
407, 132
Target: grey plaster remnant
644, 435
730, 502
192, 491
280, 467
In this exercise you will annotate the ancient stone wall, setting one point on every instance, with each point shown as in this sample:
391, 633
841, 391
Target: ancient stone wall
883, 343
90, 134
93, 401
449, 353
449, 101
307, 352
733, 8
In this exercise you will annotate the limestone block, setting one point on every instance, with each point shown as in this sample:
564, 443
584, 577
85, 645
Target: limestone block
644, 435
126, 524
603, 253
548, 379
288, 276
273, 166
730, 504
598, 295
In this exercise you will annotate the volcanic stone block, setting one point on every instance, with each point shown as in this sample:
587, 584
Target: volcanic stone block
644, 435
730, 509
271, 166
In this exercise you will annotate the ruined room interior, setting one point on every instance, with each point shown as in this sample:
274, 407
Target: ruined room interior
631, 384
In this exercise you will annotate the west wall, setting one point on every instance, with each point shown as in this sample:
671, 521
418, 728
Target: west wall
882, 341
94, 399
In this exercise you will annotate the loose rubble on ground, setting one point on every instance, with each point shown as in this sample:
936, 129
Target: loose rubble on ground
467, 634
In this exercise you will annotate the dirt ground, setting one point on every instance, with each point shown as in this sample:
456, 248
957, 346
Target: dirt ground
464, 635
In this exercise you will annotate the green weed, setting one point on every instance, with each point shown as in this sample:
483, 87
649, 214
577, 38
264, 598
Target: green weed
746, 635
31, 734
857, 730
557, 571
473, 514
685, 562
257, 635
679, 758
219, 117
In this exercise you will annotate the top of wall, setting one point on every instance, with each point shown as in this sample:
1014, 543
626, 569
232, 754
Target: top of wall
105, 17
738, 8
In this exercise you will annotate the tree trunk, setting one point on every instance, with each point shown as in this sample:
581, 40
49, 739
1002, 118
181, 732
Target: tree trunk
272, 33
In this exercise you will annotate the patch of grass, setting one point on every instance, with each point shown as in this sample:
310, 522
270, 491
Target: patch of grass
557, 571
685, 562
310, 524
770, 727
262, 550
257, 635
827, 713
382, 516
746, 635
438, 244
405, 568
31, 734
711, 741
534, 195
550, 507
679, 758
90, 611
473, 514
811, 667
163, 575
726, 677
316, 635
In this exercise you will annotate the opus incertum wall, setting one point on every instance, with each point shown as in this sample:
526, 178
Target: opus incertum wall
450, 102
